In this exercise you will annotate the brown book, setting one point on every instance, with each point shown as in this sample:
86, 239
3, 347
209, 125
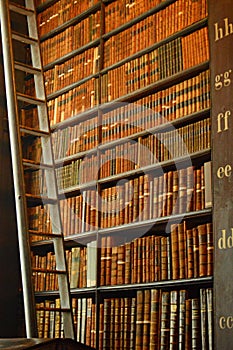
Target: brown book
106, 323
126, 323
128, 254
139, 320
114, 269
159, 259
210, 249
208, 184
174, 334
121, 264
202, 240
196, 336
209, 296
181, 316
195, 252
190, 253
175, 251
155, 318
165, 321
133, 324
146, 320
203, 319
188, 324
108, 260
182, 250
103, 261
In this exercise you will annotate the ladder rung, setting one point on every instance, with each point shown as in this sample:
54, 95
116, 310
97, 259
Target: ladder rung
34, 132
29, 99
56, 272
36, 165
20, 9
26, 68
24, 38
44, 234
34, 200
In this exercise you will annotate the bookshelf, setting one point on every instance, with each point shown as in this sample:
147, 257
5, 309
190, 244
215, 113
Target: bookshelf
128, 89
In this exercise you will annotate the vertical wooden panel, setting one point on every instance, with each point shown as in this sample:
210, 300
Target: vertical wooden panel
221, 43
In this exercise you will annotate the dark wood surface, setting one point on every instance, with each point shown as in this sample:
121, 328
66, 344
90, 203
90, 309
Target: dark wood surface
45, 344
221, 65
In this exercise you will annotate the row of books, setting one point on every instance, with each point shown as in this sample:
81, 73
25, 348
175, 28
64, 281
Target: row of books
79, 213
74, 139
189, 96
50, 321
39, 220
84, 314
135, 154
152, 29
157, 319
71, 39
77, 172
148, 197
81, 266
184, 253
143, 198
184, 12
165, 61
73, 70
177, 101
154, 148
77, 100
60, 12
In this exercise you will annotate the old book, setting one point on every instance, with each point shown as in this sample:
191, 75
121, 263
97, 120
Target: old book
165, 321
202, 240
155, 318
139, 320
181, 318
174, 309
209, 297
208, 184
195, 334
203, 318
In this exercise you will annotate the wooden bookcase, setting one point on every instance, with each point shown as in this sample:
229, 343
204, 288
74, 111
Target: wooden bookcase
128, 89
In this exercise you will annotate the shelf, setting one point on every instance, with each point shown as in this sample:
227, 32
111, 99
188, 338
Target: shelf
161, 221
200, 281
45, 5
77, 189
55, 293
69, 159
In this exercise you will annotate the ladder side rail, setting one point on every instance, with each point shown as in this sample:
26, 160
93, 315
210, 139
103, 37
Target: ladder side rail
13, 118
